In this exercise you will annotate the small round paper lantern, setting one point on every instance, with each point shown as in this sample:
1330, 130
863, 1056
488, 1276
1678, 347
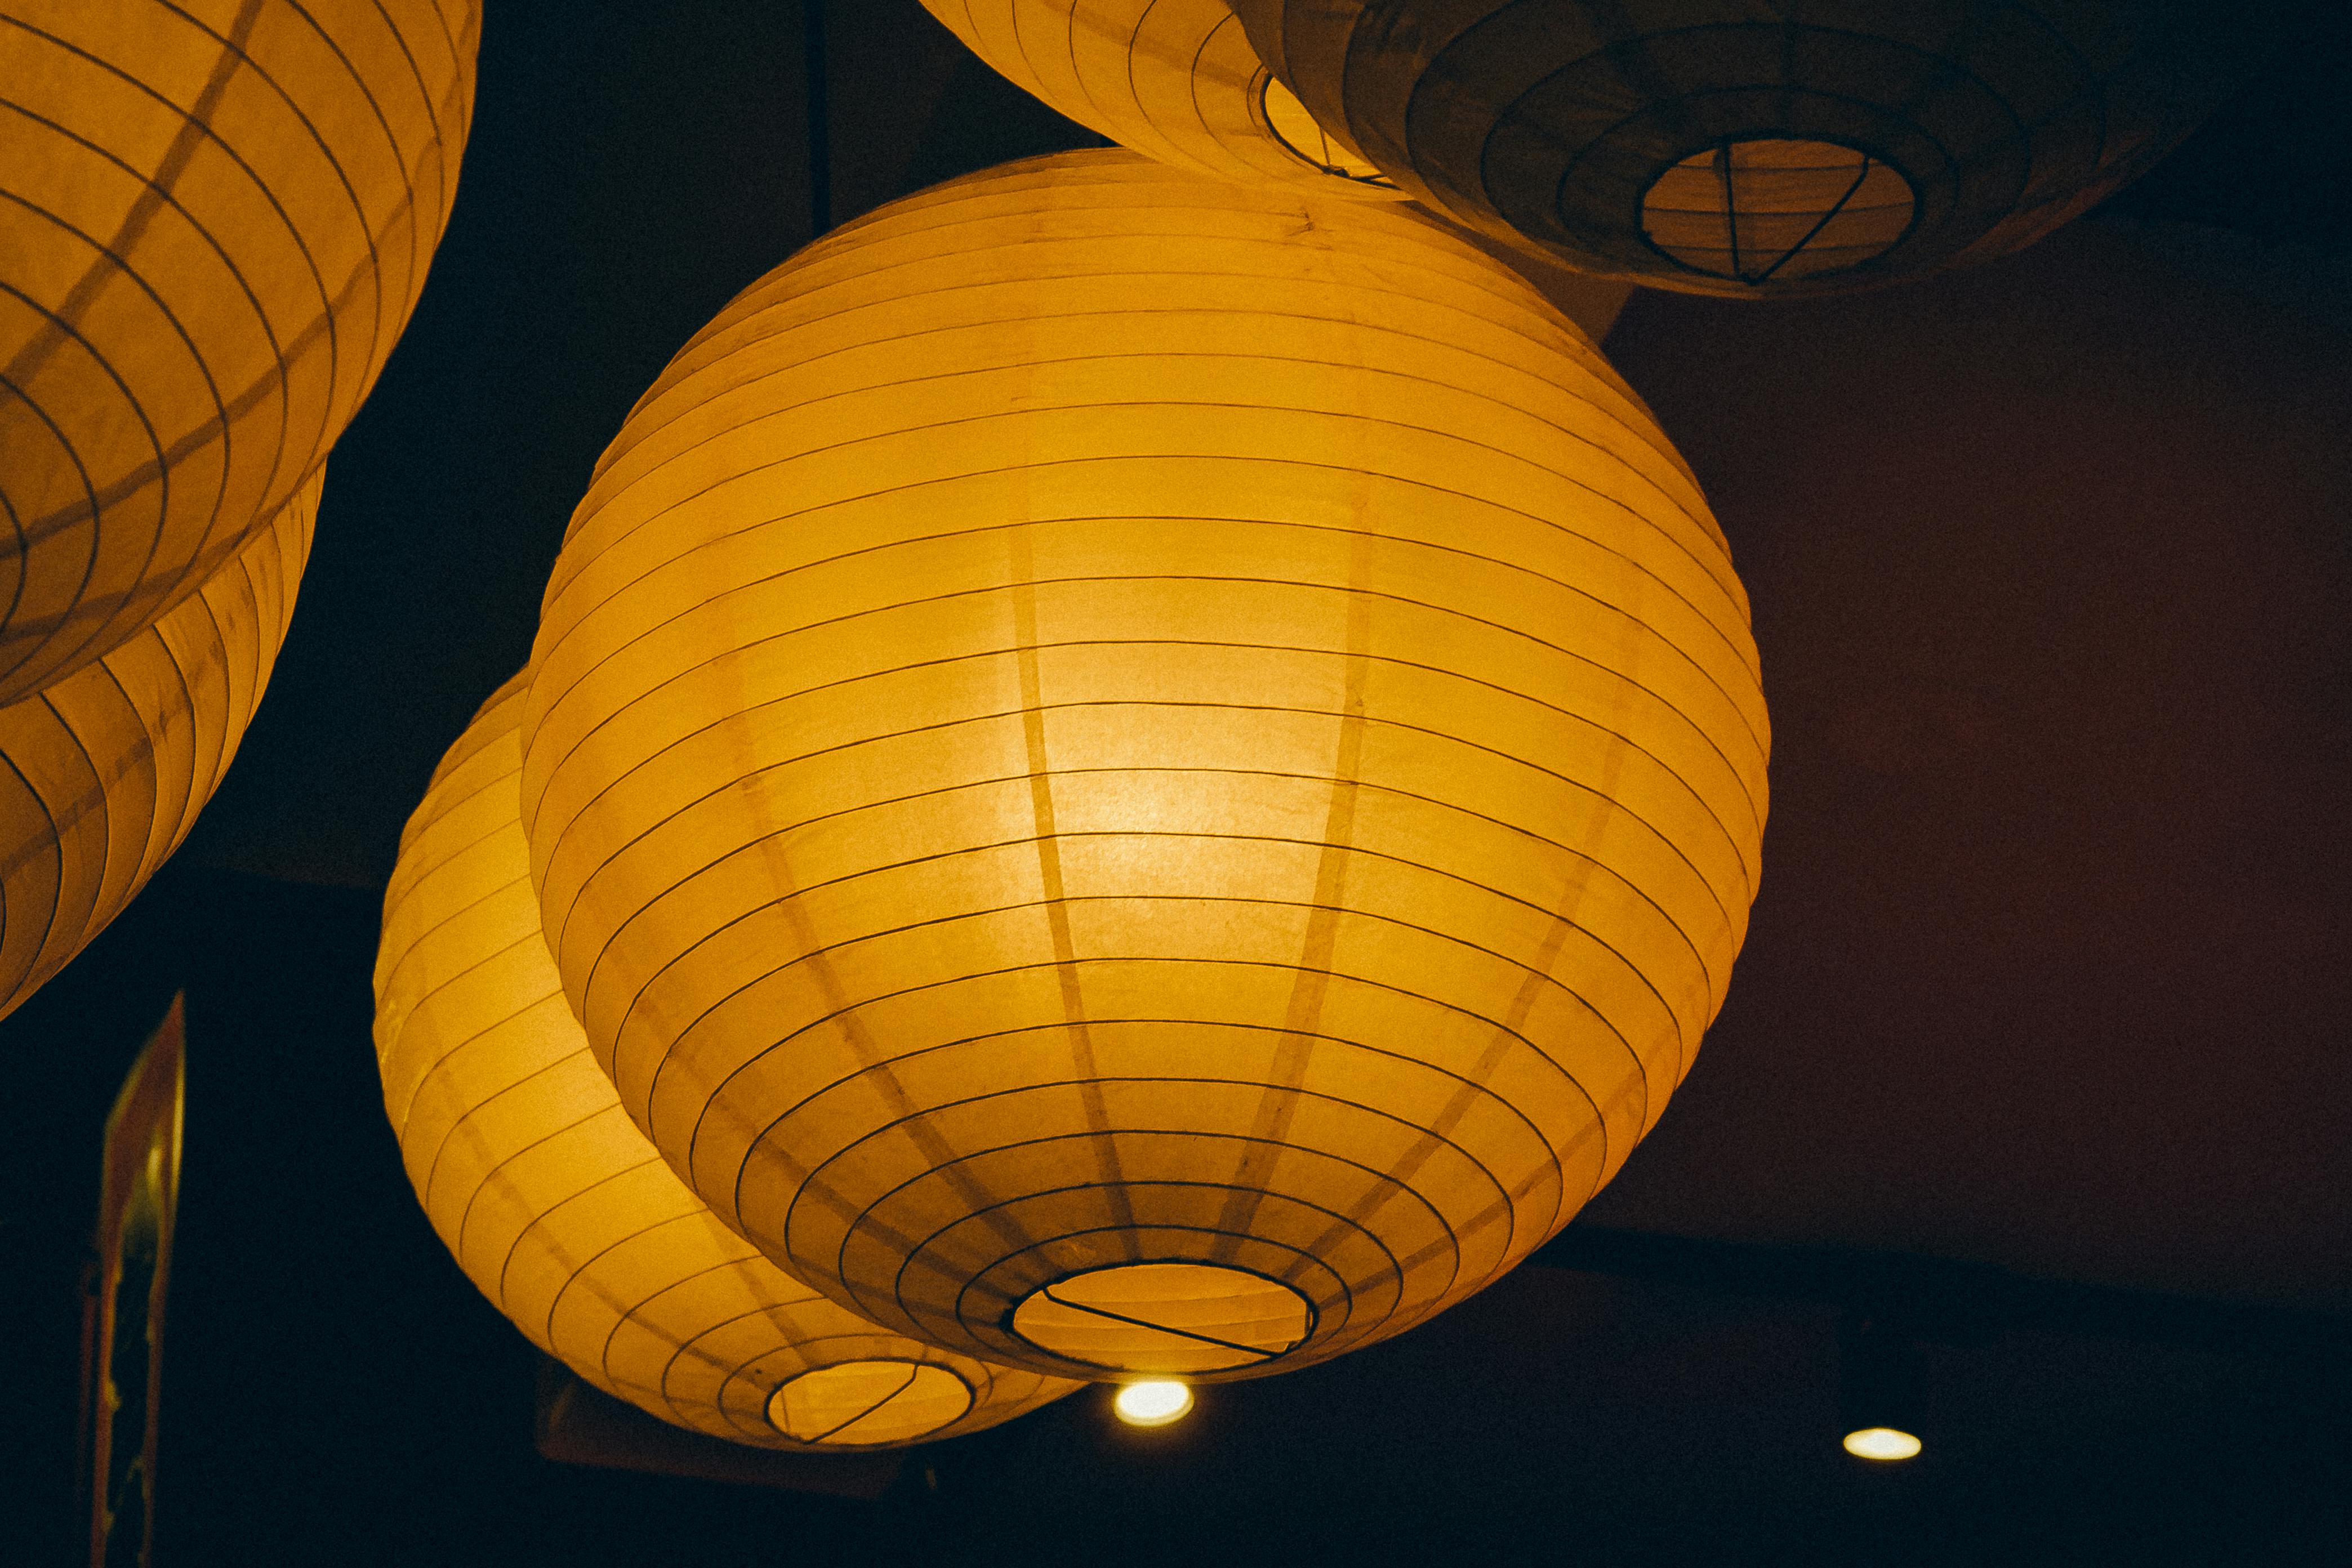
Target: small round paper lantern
213, 222
1173, 79
558, 1208
103, 774
1132, 775
1725, 148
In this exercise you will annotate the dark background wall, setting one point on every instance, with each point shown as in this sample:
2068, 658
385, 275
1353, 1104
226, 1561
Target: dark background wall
2050, 568
336, 1393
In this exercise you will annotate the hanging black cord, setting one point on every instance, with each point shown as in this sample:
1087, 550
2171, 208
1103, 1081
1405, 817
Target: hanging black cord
820, 121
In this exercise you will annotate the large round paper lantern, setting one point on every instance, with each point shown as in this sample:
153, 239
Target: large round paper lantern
214, 221
556, 1205
103, 774
1133, 775
1728, 148
1174, 79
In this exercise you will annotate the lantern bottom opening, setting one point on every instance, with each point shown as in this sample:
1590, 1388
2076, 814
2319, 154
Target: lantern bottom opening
1165, 1318
863, 1404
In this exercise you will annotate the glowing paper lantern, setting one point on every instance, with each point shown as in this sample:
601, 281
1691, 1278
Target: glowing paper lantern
1129, 775
1728, 148
555, 1204
103, 774
1178, 81
1174, 79
214, 221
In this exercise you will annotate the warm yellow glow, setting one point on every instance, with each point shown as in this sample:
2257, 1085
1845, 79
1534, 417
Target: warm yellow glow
559, 1209
1153, 1404
1105, 731
1882, 1443
103, 774
1173, 79
214, 221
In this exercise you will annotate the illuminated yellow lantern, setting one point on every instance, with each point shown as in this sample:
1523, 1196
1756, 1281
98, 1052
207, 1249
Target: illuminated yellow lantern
555, 1204
1174, 79
103, 774
1178, 81
1130, 776
1728, 148
214, 221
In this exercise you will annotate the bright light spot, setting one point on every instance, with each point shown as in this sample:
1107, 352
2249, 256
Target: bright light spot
1882, 1443
1153, 1404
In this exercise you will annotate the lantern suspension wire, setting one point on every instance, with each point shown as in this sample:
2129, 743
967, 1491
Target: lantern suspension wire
820, 119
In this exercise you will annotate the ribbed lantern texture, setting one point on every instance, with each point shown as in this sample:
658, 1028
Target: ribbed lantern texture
1132, 774
103, 774
555, 1204
1719, 146
215, 219
1173, 79
1180, 81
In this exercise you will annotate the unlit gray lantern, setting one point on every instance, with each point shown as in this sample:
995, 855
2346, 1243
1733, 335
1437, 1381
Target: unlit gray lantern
1749, 147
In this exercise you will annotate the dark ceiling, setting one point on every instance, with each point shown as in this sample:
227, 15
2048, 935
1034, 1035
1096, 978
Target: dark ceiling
2050, 562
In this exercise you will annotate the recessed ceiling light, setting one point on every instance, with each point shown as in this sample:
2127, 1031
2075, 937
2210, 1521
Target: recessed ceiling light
1153, 1404
1883, 1443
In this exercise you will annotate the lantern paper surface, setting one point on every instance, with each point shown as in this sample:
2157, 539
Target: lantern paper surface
103, 774
213, 220
1716, 146
1174, 79
1179, 81
558, 1208
1130, 774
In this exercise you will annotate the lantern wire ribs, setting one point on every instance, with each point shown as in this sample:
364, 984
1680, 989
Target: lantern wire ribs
1132, 774
556, 1206
209, 242
1583, 132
